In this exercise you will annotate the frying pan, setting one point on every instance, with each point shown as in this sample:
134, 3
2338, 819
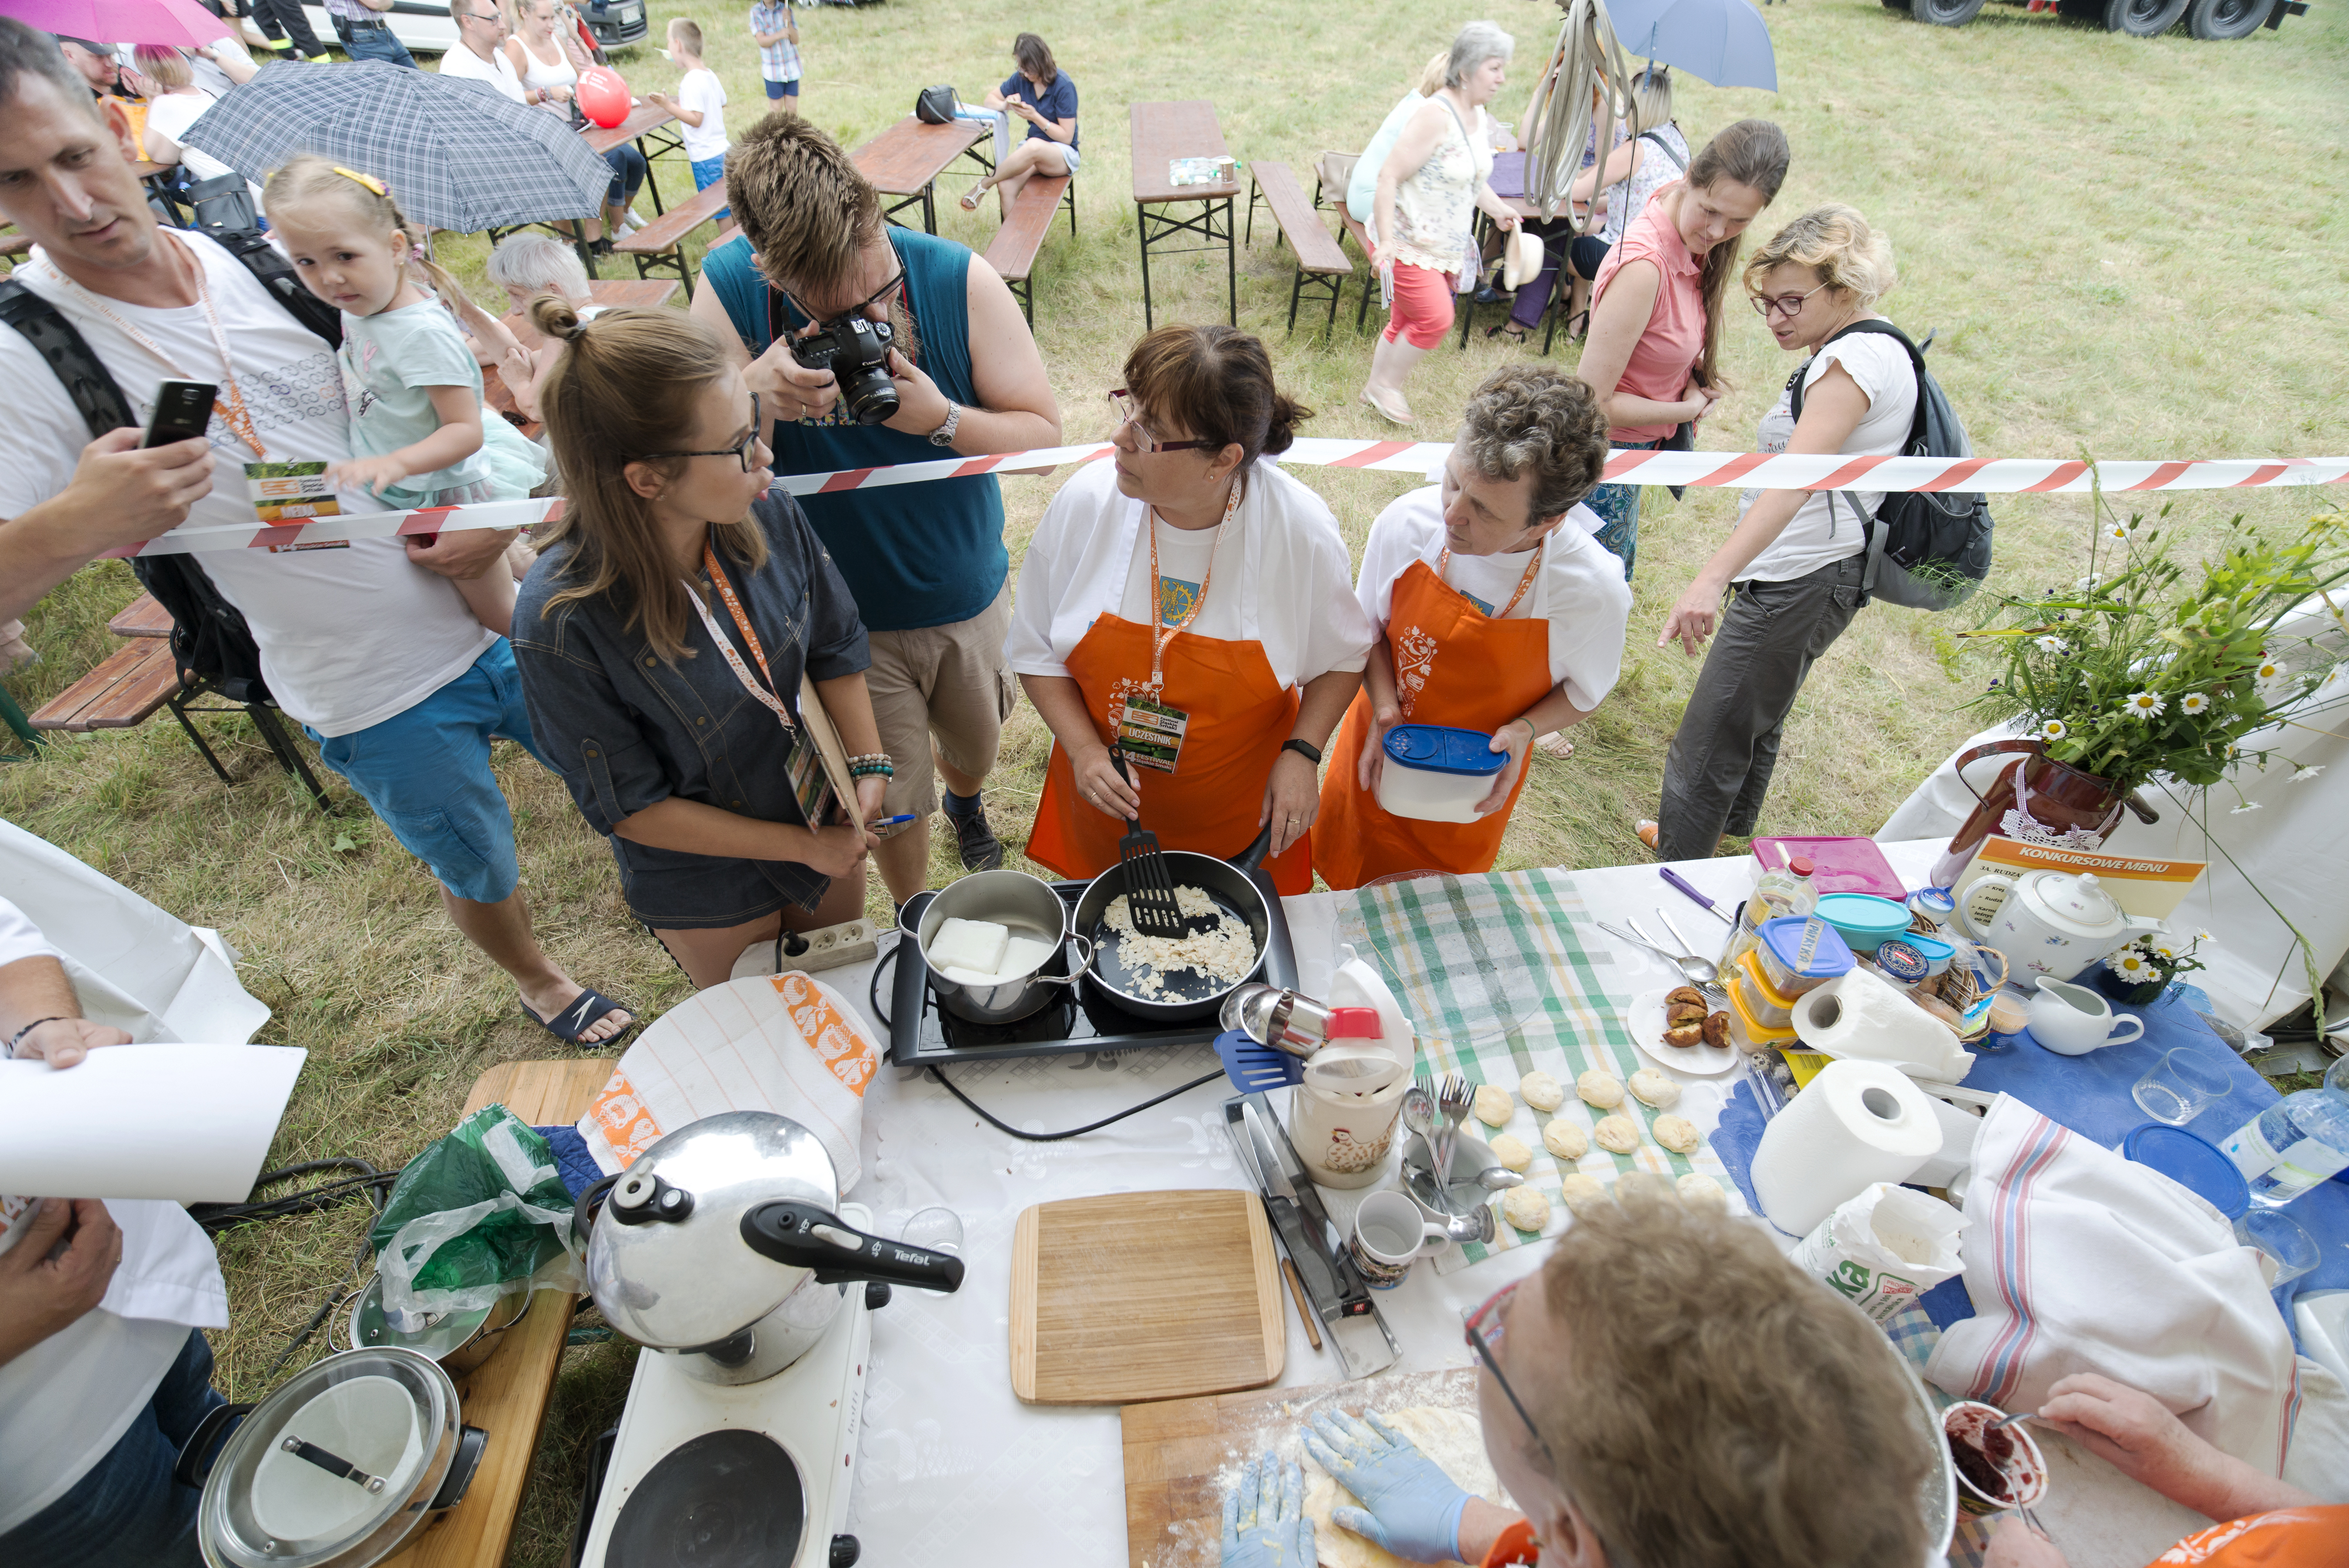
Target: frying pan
1188, 994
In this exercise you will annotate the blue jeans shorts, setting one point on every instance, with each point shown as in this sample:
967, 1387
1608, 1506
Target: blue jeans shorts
126, 1511
707, 171
783, 89
426, 773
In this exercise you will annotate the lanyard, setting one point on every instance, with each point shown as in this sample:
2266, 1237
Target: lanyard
742, 624
1161, 634
1524, 582
230, 405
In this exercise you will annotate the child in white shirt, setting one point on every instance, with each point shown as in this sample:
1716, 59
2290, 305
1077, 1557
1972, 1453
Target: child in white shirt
699, 105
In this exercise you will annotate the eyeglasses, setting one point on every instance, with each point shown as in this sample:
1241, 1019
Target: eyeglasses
739, 451
858, 309
1122, 401
1784, 304
1484, 1329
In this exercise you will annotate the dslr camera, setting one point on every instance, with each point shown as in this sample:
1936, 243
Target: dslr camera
856, 349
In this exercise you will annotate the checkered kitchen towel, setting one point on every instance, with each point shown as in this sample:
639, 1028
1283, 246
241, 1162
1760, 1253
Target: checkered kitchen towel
1498, 977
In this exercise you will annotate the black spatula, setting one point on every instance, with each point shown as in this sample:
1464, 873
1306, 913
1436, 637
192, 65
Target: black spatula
1149, 884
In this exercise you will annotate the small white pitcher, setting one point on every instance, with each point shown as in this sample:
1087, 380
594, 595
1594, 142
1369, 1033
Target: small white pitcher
2072, 1020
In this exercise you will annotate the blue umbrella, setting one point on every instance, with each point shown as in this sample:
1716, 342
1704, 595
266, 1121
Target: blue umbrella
1722, 42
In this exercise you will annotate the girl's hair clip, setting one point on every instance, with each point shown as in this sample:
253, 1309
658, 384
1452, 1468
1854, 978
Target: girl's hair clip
369, 180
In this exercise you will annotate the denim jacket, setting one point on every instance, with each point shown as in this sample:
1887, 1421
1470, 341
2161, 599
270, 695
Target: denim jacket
627, 728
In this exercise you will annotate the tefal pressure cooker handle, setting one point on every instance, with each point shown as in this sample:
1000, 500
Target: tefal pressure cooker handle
806, 1237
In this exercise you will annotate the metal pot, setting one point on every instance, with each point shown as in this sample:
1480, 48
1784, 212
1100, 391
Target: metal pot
459, 1341
1029, 907
1227, 882
337, 1468
722, 1245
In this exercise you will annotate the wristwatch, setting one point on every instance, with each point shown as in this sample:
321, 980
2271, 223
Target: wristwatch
944, 435
1305, 749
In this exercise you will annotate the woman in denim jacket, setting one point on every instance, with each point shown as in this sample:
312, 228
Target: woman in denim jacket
662, 635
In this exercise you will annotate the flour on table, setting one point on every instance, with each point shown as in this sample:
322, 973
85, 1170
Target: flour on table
1452, 1439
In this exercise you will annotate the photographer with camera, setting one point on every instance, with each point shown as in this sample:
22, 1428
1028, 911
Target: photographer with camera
869, 346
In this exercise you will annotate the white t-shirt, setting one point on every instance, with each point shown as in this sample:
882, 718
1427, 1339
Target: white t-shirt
350, 636
1579, 589
1280, 579
1811, 539
701, 89
67, 1400
497, 70
211, 77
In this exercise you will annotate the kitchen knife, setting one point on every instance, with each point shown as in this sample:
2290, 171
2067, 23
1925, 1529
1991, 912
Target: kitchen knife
1312, 1259
1355, 1329
1286, 1180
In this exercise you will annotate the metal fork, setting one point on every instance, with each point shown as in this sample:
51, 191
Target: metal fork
1454, 1101
1150, 899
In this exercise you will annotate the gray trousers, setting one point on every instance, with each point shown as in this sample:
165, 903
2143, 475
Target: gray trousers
1722, 757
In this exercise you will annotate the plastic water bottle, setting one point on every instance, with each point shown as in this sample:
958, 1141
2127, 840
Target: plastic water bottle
1787, 890
2299, 1141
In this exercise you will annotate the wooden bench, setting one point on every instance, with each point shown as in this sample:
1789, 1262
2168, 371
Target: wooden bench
1331, 174
143, 617
1320, 257
1012, 252
659, 246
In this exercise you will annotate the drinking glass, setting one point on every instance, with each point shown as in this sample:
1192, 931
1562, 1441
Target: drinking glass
2178, 1086
2284, 1243
934, 1230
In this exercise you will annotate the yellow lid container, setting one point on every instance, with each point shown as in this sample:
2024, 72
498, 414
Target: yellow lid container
1758, 1032
1763, 1002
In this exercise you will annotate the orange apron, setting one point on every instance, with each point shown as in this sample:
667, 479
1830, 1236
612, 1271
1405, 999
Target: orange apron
1453, 665
1239, 716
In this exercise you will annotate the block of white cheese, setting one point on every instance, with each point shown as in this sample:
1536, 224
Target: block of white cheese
976, 946
1024, 955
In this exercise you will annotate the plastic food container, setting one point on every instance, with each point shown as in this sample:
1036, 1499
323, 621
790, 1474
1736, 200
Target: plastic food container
1750, 1034
2194, 1163
1759, 1000
1780, 955
1435, 773
1864, 919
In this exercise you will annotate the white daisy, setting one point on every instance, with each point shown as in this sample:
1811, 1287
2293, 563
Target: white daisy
2246, 805
2193, 702
2084, 583
2054, 730
2145, 705
2117, 531
2304, 774
2270, 670
2163, 947
2131, 965
2200, 937
2051, 644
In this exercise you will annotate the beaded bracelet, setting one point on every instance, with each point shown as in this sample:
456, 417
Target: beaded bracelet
882, 769
868, 757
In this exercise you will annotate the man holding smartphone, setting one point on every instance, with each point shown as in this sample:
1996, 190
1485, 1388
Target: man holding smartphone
368, 645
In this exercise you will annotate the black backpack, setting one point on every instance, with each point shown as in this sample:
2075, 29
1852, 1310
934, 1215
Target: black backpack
209, 639
934, 104
1927, 550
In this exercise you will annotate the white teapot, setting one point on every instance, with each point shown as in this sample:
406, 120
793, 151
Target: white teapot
2055, 923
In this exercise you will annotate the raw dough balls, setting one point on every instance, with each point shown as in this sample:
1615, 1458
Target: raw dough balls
1452, 1439
1493, 1107
1656, 1088
1564, 1139
1513, 1153
1579, 1192
1700, 1191
1541, 1091
1618, 1134
1526, 1208
1599, 1088
1678, 1134
1638, 1181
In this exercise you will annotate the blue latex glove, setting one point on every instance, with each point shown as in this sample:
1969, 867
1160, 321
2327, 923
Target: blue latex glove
1264, 1519
1412, 1508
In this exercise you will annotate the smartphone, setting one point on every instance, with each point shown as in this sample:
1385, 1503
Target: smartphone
183, 411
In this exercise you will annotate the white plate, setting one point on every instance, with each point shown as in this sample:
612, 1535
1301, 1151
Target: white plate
1645, 1019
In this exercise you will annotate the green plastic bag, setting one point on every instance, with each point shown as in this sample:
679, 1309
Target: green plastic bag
480, 1214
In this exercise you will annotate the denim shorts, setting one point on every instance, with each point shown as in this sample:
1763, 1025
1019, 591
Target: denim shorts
776, 89
426, 773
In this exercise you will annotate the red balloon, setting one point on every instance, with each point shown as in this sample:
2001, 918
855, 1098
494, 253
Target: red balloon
603, 96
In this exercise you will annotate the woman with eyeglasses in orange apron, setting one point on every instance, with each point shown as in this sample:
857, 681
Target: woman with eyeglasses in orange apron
1187, 604
1497, 612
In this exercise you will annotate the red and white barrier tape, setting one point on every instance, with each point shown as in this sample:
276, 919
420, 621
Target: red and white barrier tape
1752, 470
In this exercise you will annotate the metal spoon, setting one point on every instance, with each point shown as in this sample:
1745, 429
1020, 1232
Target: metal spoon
1498, 1179
1711, 982
1699, 970
2010, 1420
1477, 1225
1419, 1108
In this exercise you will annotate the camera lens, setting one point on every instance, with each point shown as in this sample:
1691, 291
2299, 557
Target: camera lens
871, 396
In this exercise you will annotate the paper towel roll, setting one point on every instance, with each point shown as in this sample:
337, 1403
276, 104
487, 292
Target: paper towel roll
1861, 1015
1856, 1123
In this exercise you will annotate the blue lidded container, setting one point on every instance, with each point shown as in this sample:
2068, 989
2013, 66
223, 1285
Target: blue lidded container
1781, 950
1436, 772
2194, 1163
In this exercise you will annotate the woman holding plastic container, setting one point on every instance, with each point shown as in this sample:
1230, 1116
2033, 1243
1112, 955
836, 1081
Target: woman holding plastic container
1491, 619
1187, 603
1656, 306
1792, 566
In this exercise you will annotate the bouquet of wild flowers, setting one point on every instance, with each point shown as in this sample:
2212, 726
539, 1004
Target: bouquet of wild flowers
2149, 964
2132, 673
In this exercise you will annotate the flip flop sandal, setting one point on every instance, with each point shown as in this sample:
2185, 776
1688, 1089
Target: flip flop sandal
970, 198
589, 1008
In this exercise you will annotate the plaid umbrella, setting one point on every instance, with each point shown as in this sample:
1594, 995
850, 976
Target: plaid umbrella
457, 153
120, 21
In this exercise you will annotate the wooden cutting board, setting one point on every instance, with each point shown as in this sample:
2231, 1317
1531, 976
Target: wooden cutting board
1144, 1295
1177, 1452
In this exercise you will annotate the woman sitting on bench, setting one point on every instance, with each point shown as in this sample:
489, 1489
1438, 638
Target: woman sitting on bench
1041, 93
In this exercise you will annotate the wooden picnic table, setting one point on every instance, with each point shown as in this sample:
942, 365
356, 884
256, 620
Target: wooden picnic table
1161, 134
611, 293
648, 126
905, 160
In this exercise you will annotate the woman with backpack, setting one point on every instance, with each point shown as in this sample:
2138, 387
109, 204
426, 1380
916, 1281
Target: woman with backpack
1792, 564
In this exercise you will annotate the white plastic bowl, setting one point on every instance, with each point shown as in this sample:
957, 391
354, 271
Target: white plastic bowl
1434, 773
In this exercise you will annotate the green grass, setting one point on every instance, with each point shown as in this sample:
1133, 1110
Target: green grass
2128, 248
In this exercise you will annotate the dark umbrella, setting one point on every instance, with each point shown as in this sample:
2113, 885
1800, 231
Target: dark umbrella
457, 153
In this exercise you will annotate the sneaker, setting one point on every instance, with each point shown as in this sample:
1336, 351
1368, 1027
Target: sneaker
1646, 829
975, 841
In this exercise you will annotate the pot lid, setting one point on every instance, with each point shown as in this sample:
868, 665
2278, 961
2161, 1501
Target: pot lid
666, 1262
2076, 905
334, 1467
1445, 749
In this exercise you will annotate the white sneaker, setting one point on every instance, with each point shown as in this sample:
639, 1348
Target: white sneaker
632, 222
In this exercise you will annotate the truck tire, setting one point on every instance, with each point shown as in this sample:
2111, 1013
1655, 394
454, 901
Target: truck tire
2143, 18
2214, 20
1945, 13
